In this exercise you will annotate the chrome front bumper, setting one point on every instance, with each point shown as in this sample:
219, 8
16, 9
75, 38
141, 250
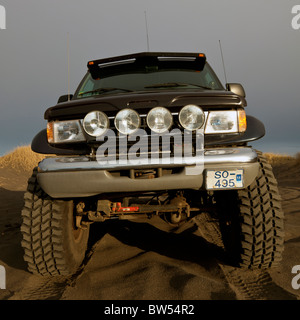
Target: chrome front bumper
69, 177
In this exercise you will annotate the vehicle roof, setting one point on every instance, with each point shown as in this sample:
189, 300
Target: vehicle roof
141, 55
126, 63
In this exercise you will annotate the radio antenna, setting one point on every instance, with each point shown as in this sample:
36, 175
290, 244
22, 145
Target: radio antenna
68, 49
147, 30
223, 61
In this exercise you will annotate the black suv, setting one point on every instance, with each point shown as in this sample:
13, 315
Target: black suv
150, 134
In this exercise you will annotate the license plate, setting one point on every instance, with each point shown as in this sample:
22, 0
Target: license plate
224, 179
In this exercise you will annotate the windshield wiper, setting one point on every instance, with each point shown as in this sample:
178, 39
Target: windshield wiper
198, 85
175, 84
166, 85
103, 90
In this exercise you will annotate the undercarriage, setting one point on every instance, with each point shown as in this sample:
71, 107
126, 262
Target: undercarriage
173, 207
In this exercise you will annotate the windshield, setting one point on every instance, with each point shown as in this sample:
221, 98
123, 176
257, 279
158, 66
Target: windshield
149, 81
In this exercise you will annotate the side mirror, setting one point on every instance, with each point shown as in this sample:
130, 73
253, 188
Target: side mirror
65, 98
236, 88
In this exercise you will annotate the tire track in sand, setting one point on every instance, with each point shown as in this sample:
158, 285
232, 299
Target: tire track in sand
39, 287
247, 284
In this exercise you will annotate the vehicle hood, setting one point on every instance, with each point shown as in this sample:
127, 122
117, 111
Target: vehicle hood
143, 101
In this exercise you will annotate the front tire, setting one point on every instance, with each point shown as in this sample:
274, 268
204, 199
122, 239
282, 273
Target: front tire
51, 242
251, 221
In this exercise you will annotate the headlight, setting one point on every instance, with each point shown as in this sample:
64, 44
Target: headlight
159, 119
127, 121
95, 123
222, 122
64, 131
191, 117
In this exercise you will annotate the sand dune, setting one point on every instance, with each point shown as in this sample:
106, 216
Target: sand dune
143, 259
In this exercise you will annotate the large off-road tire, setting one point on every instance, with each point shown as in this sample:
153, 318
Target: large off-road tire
251, 221
52, 244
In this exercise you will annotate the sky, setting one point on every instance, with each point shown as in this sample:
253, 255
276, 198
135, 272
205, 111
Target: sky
260, 47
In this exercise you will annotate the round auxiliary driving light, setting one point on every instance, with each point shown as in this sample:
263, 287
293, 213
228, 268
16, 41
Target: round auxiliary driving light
159, 119
95, 123
191, 117
127, 121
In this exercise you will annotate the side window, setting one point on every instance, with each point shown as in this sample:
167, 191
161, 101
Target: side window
209, 80
88, 86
